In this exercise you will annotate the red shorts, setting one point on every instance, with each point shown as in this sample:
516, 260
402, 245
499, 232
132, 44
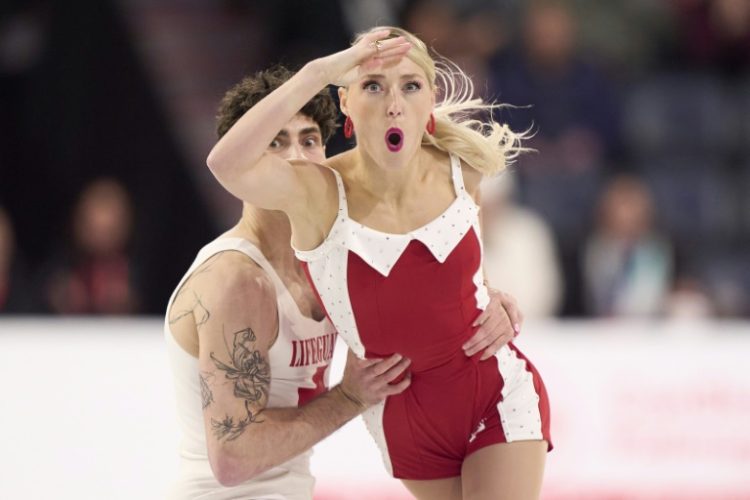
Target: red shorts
451, 411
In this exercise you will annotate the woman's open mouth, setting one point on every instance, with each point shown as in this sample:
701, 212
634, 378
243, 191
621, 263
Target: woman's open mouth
394, 139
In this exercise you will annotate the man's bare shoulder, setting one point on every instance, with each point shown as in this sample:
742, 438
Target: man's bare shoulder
229, 286
227, 279
234, 272
239, 294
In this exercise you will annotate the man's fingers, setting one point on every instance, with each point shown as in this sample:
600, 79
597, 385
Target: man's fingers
488, 335
396, 371
354, 360
381, 366
495, 346
479, 341
481, 318
496, 326
514, 313
399, 387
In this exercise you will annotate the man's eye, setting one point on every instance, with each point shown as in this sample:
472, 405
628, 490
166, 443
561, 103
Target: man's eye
311, 141
275, 144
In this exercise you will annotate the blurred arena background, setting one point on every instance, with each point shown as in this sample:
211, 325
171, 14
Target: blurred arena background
626, 237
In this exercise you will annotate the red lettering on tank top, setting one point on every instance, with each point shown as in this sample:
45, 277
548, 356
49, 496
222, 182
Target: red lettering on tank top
312, 351
294, 361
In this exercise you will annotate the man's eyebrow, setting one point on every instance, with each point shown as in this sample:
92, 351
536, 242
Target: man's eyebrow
309, 130
283, 133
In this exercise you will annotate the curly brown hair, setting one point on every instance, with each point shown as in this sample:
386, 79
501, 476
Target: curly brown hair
246, 94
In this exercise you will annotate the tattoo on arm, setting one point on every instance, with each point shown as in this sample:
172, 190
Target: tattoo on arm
199, 311
250, 373
207, 397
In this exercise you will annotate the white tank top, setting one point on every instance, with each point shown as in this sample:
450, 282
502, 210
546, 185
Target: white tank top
299, 361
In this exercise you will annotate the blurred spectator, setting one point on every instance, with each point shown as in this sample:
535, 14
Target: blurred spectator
688, 299
715, 34
520, 256
15, 293
572, 102
468, 32
627, 264
94, 277
627, 37
572, 108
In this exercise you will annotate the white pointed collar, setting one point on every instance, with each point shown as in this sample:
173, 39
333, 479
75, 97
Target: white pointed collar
382, 250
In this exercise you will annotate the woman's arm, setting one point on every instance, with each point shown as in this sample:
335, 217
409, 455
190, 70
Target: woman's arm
239, 161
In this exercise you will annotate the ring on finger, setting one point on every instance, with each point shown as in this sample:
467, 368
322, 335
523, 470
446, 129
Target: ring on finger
378, 45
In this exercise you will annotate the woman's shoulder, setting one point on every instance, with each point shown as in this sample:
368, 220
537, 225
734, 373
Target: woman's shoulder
471, 176
340, 162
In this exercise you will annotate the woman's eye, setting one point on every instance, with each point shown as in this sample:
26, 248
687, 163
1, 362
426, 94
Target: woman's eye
412, 86
371, 86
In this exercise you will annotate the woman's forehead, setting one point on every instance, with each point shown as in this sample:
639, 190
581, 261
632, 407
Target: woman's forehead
406, 68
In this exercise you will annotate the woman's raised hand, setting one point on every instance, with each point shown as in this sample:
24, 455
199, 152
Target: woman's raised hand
372, 52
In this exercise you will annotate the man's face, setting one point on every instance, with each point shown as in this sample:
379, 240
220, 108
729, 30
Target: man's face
300, 139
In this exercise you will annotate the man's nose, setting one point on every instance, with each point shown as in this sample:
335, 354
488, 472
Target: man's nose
297, 152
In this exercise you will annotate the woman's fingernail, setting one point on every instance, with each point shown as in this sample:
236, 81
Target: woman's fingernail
517, 328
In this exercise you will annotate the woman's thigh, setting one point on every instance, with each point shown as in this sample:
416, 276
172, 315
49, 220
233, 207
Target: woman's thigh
510, 471
435, 489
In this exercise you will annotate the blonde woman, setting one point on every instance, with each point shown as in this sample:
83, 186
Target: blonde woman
389, 236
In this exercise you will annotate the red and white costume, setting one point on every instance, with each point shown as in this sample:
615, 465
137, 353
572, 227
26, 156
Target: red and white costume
418, 294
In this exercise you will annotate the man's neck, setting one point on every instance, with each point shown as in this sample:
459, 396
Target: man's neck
271, 232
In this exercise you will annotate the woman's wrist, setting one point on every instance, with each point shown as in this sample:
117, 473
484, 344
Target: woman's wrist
315, 71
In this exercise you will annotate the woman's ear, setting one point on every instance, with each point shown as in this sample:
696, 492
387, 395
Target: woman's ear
342, 100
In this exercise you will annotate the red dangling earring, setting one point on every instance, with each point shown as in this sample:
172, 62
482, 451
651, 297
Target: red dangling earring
431, 125
348, 128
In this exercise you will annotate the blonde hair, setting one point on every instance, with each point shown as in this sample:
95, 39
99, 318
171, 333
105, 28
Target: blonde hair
487, 146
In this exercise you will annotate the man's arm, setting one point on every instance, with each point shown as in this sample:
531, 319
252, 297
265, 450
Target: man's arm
244, 438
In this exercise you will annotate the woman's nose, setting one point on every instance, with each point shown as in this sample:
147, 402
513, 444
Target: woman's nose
394, 106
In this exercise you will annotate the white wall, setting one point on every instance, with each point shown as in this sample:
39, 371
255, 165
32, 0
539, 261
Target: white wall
639, 410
